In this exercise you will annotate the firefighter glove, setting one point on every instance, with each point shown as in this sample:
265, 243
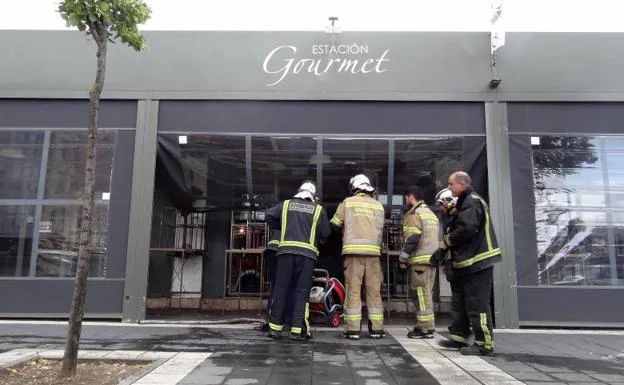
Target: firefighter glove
438, 257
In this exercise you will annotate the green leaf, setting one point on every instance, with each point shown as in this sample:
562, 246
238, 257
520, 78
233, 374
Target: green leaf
104, 6
74, 19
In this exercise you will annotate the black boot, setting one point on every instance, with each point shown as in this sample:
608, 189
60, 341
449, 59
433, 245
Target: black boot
300, 336
351, 335
476, 351
450, 344
417, 334
376, 334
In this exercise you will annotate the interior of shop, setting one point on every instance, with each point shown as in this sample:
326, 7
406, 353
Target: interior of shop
211, 191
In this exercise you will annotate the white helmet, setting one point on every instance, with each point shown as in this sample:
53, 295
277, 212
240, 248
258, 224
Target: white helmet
316, 294
307, 191
360, 182
446, 199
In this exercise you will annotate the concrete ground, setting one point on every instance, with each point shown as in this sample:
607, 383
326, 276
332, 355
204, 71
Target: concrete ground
237, 354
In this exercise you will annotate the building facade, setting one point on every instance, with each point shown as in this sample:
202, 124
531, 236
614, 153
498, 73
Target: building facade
207, 122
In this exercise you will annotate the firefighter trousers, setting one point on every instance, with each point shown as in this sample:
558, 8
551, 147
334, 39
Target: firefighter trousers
422, 279
270, 261
365, 269
471, 308
298, 270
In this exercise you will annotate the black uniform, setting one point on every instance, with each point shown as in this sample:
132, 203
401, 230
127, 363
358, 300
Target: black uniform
474, 251
302, 224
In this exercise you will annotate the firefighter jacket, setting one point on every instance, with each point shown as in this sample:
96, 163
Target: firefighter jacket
274, 239
302, 224
361, 219
421, 232
471, 237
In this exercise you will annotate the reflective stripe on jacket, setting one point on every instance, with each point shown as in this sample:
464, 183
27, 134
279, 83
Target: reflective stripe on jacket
471, 237
274, 239
302, 224
361, 218
421, 231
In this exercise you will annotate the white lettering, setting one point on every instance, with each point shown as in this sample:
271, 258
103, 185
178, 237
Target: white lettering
381, 60
284, 70
283, 61
367, 62
349, 63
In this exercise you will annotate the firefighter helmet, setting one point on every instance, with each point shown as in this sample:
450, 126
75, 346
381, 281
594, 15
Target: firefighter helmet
360, 182
307, 191
446, 199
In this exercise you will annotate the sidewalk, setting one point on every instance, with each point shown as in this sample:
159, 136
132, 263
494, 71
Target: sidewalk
239, 355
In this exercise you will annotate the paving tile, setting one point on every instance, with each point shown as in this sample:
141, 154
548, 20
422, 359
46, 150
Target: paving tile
531, 376
202, 380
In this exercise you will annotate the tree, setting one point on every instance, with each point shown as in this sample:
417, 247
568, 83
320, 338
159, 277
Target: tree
104, 21
561, 156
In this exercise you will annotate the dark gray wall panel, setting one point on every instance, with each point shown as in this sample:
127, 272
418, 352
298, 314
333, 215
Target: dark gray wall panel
318, 117
119, 208
566, 118
571, 304
55, 295
65, 113
523, 209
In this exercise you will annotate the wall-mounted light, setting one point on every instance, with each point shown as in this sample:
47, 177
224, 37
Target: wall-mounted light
182, 139
105, 196
494, 83
333, 26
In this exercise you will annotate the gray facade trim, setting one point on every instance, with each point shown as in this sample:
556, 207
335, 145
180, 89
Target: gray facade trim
499, 183
548, 304
76, 129
325, 136
566, 118
141, 206
319, 167
60, 315
321, 117
34, 113
485, 96
390, 188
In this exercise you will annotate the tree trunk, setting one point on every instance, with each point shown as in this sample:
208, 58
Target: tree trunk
84, 251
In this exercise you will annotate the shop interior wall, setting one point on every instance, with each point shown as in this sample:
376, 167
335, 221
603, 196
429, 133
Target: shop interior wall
36, 295
567, 149
322, 119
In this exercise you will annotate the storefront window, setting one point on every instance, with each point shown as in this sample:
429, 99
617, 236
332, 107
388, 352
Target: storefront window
20, 162
425, 162
16, 233
279, 165
66, 164
59, 239
578, 181
213, 169
344, 158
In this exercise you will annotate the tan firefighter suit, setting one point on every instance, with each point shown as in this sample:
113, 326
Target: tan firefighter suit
421, 238
361, 218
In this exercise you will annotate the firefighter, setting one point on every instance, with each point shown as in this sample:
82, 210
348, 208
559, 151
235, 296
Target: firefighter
474, 250
270, 261
302, 224
421, 231
361, 219
445, 203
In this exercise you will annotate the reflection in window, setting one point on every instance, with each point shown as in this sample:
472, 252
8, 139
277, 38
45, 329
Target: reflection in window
577, 183
16, 233
59, 238
345, 158
279, 165
425, 162
213, 169
66, 164
20, 162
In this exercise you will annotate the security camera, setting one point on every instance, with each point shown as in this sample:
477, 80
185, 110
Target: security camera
494, 83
